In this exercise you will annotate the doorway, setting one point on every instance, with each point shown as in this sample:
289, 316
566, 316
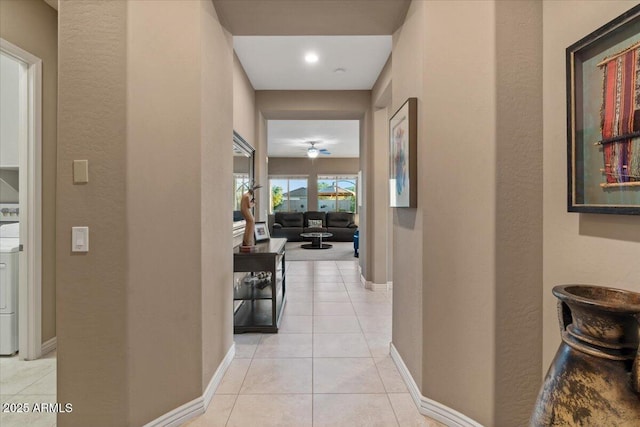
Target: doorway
20, 173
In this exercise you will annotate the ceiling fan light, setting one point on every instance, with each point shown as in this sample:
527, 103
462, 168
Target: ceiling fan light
313, 152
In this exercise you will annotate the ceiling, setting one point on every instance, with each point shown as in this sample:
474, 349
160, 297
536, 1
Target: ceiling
311, 17
289, 138
278, 62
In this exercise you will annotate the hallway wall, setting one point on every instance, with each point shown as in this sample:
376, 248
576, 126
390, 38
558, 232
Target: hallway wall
468, 260
33, 26
578, 248
157, 136
92, 288
244, 103
379, 244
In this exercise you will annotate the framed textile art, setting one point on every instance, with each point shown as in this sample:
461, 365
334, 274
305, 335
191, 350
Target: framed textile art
603, 118
403, 156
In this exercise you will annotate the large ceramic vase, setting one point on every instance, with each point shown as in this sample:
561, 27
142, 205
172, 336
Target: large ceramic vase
593, 380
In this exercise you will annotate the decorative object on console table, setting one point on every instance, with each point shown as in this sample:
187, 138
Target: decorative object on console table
403, 156
246, 204
593, 380
261, 231
603, 118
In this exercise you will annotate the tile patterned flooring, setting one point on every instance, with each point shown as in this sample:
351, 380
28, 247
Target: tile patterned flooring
329, 365
28, 382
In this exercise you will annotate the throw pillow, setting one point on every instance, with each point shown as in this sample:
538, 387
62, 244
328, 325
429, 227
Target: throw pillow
315, 223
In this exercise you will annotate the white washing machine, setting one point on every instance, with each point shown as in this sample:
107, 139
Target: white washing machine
9, 251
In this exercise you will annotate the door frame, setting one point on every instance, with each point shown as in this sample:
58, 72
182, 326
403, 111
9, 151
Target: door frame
30, 287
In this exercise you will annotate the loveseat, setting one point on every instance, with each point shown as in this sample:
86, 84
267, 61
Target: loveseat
292, 224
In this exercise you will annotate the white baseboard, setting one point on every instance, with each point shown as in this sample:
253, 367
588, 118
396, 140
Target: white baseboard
376, 286
426, 406
199, 405
48, 346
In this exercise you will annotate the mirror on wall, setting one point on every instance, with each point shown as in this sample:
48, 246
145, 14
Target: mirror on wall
243, 169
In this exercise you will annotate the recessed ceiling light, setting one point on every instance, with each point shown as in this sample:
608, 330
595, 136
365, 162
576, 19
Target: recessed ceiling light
311, 58
340, 70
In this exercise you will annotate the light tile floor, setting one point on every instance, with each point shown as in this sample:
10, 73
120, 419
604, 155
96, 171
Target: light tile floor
28, 382
329, 365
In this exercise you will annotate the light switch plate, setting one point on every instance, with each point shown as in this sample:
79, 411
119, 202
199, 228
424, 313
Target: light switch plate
79, 239
80, 171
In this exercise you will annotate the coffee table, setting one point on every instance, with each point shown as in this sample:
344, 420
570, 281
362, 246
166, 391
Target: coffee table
316, 242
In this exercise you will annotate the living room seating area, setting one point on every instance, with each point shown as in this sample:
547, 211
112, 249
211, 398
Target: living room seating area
291, 224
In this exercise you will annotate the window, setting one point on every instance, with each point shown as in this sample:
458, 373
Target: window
337, 193
288, 194
240, 186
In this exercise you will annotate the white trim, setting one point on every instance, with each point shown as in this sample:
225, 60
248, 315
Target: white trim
199, 405
49, 345
374, 286
30, 293
426, 406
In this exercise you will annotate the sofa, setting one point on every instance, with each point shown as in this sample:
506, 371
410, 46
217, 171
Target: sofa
341, 225
291, 224
288, 225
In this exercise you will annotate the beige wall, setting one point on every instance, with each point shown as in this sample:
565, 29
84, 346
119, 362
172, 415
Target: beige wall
311, 168
379, 245
459, 282
407, 76
92, 287
244, 103
518, 257
578, 248
216, 150
133, 307
163, 172
33, 26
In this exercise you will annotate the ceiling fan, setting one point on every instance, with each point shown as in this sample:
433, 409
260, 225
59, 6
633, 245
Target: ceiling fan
313, 152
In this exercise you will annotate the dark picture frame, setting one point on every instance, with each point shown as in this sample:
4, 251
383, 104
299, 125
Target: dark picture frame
261, 231
403, 156
603, 119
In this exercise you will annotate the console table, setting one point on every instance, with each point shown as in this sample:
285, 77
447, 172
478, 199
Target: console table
259, 290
